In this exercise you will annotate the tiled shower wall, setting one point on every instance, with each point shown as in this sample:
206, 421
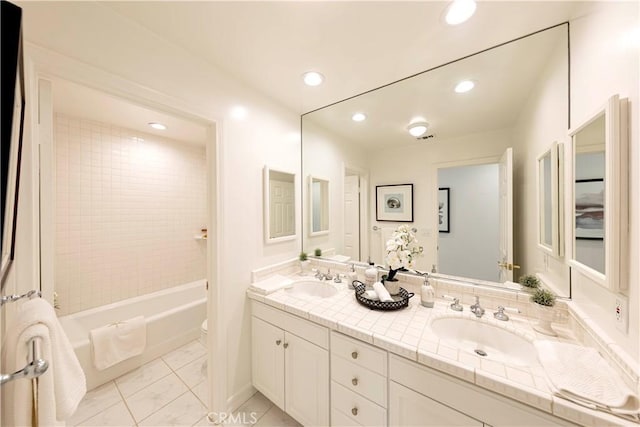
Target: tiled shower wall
128, 206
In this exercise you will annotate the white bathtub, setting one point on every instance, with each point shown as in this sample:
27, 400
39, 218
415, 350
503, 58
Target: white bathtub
173, 318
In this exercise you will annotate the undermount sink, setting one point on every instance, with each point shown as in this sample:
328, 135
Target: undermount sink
485, 340
312, 288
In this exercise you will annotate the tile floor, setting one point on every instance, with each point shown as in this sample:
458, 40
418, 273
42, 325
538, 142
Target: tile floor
169, 391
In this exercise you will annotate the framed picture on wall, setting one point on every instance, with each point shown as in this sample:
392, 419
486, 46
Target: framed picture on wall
394, 203
589, 209
443, 209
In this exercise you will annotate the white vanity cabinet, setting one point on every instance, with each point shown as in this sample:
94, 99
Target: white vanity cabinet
358, 383
419, 395
291, 371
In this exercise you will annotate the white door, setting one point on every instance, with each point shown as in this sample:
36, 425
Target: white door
267, 360
282, 208
352, 216
409, 408
306, 381
505, 263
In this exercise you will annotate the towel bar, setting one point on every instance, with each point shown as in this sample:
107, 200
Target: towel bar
34, 369
11, 298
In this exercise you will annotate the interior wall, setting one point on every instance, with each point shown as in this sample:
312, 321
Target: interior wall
325, 156
418, 164
67, 39
474, 229
128, 205
604, 62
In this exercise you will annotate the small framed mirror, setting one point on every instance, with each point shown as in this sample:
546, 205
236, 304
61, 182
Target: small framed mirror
599, 194
319, 206
279, 205
550, 197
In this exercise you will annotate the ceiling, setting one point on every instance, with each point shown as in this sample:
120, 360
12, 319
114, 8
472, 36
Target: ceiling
357, 45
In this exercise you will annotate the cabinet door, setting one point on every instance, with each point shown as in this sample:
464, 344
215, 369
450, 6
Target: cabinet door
409, 408
306, 381
267, 360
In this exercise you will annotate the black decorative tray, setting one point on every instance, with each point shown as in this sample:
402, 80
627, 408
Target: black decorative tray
401, 300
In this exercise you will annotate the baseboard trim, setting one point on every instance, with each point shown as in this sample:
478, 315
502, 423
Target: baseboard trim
237, 399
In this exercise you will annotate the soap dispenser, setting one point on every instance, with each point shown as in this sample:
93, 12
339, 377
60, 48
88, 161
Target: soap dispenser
427, 294
351, 276
370, 275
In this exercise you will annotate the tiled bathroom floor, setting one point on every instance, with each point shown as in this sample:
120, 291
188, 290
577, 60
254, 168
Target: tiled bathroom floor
169, 391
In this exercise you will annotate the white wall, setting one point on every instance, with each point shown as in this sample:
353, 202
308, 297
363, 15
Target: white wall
126, 213
417, 164
70, 41
474, 236
604, 62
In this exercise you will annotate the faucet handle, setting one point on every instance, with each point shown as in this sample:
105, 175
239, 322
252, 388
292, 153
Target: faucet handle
501, 315
456, 306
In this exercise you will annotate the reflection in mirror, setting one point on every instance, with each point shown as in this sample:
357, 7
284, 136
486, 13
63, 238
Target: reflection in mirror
279, 205
516, 84
599, 231
550, 201
319, 209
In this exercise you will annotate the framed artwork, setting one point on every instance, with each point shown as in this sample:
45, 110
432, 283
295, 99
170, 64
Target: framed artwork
394, 203
589, 209
443, 209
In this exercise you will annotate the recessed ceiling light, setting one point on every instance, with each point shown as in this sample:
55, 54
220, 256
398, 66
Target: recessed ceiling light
459, 11
158, 126
239, 112
464, 86
358, 117
312, 78
418, 128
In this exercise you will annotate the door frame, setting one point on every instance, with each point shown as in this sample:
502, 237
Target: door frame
43, 64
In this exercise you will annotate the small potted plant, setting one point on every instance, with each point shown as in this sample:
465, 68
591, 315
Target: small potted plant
304, 262
529, 282
317, 252
544, 300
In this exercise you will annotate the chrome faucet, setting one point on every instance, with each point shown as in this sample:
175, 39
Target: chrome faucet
323, 276
476, 309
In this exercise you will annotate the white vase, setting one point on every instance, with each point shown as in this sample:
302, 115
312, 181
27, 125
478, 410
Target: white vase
304, 267
545, 316
393, 286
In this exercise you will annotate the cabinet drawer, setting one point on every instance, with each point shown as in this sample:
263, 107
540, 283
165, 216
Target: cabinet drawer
356, 378
360, 353
338, 419
355, 407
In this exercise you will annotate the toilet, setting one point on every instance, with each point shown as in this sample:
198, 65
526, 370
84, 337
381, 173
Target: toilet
203, 333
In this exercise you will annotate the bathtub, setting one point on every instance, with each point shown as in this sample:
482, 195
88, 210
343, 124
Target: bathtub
173, 317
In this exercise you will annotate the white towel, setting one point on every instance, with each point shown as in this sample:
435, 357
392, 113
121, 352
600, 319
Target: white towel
382, 292
118, 341
372, 295
61, 387
581, 375
270, 285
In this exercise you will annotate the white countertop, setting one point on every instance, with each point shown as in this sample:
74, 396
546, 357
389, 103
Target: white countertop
407, 333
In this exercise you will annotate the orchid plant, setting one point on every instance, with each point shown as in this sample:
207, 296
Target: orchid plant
402, 250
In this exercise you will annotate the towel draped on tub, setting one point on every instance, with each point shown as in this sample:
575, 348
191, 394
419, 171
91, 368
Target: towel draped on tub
118, 341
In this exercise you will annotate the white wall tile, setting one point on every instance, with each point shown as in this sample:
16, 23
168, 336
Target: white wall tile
126, 213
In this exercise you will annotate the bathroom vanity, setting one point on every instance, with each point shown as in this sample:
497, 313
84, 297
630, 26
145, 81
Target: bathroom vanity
330, 361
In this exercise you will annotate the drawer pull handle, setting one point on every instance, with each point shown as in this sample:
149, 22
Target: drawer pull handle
354, 355
285, 345
278, 342
354, 381
354, 411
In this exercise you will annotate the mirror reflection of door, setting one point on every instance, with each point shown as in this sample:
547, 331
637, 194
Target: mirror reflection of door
480, 219
352, 216
282, 208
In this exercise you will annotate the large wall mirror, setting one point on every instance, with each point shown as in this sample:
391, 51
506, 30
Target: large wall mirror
599, 195
370, 134
279, 205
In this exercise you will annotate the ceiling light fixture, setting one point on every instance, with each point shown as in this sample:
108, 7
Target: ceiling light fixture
418, 128
358, 117
239, 112
312, 78
158, 126
459, 11
464, 86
